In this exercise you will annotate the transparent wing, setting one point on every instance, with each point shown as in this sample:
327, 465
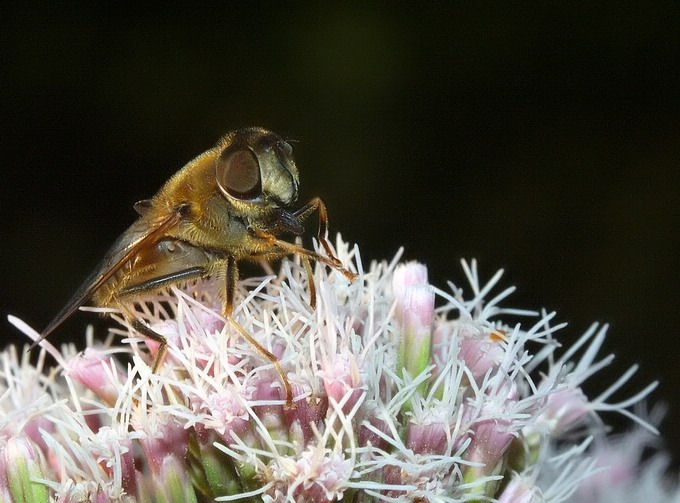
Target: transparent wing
139, 235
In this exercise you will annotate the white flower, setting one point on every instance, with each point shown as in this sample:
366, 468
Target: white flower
394, 399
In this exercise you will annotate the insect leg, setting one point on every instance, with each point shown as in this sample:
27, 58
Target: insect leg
148, 332
303, 213
230, 289
149, 286
331, 261
230, 285
306, 261
310, 282
163, 281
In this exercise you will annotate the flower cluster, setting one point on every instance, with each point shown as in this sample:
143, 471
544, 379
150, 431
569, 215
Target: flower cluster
398, 397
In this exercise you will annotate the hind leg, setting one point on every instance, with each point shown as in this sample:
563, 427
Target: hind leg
231, 281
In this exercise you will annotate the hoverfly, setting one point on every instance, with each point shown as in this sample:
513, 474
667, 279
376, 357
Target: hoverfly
230, 204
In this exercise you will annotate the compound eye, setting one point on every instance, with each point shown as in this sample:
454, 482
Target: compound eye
238, 174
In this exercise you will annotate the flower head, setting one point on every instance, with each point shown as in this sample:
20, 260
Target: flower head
394, 399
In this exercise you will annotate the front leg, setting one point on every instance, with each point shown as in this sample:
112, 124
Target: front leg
322, 235
231, 276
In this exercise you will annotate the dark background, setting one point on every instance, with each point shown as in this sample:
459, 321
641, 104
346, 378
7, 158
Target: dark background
542, 141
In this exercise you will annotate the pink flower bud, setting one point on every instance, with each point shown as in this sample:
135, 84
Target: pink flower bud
170, 440
518, 490
341, 375
406, 275
416, 329
566, 409
21, 464
480, 352
427, 438
89, 370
